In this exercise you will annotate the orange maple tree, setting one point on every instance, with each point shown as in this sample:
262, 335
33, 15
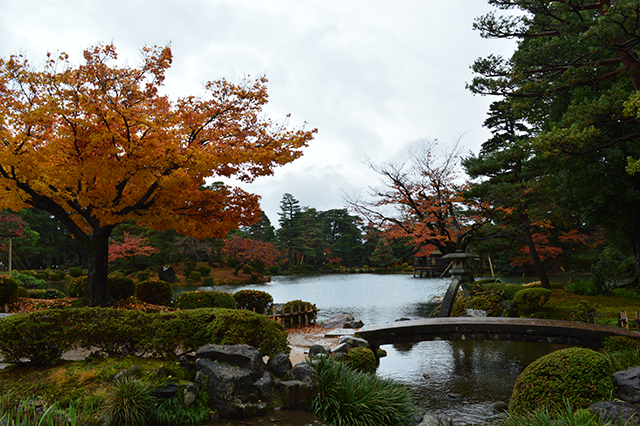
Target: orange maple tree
245, 250
131, 246
421, 200
98, 144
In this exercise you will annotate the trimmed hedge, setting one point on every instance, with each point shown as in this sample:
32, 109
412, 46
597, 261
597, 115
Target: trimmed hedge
253, 300
204, 299
233, 327
78, 286
76, 271
155, 292
120, 287
41, 337
530, 300
577, 375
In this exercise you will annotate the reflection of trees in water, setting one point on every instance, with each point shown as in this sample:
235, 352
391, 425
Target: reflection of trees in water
421, 309
404, 348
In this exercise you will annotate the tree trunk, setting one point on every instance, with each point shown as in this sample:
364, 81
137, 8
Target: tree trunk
544, 280
98, 248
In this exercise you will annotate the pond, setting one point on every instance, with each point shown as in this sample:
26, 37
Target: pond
460, 380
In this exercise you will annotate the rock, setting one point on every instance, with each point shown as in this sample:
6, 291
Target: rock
279, 365
433, 420
190, 394
353, 324
294, 394
166, 273
305, 373
341, 349
135, 371
402, 319
166, 391
264, 386
243, 356
499, 407
337, 321
455, 396
316, 350
627, 384
621, 413
354, 342
476, 312
229, 387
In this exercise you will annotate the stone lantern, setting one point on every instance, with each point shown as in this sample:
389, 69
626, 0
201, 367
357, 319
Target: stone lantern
460, 274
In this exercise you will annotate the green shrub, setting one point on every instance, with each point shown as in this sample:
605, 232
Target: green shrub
623, 292
22, 292
507, 290
181, 332
295, 306
128, 402
585, 311
361, 359
35, 293
78, 286
142, 275
253, 300
620, 343
29, 281
486, 300
120, 287
530, 300
195, 276
204, 270
204, 299
76, 271
8, 289
42, 276
578, 375
349, 397
56, 276
52, 293
207, 282
239, 326
155, 292
612, 269
582, 288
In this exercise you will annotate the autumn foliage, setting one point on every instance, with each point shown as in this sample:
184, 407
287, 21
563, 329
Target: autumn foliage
98, 144
130, 246
242, 251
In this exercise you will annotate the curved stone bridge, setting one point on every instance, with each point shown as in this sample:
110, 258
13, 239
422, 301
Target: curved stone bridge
491, 328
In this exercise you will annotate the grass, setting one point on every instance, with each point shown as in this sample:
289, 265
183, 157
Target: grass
565, 416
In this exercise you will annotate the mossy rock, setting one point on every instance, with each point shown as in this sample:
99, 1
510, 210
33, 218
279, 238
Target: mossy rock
578, 375
361, 359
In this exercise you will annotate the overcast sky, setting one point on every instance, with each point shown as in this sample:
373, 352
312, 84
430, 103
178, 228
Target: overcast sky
374, 77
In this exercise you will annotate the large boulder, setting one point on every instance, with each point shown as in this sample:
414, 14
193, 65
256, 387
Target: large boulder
244, 357
627, 384
279, 365
621, 413
338, 321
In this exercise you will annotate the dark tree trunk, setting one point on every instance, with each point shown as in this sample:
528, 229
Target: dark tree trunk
544, 279
98, 248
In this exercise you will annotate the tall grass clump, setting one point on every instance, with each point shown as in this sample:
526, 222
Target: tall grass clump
563, 416
129, 403
350, 398
25, 414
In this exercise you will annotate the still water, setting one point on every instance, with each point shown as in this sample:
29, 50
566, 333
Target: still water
460, 380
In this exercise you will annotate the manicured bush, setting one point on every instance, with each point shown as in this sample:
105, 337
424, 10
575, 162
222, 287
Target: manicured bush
155, 292
120, 287
295, 306
204, 299
78, 287
360, 359
52, 293
35, 293
349, 397
142, 275
22, 292
253, 300
578, 375
207, 282
205, 270
181, 332
195, 276
8, 289
56, 276
76, 271
530, 300
238, 326
620, 343
508, 291
29, 281
42, 276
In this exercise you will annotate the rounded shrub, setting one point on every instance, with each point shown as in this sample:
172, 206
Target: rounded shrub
22, 292
76, 271
29, 281
205, 270
195, 276
239, 326
361, 359
155, 292
56, 276
120, 287
208, 281
530, 300
578, 375
221, 299
8, 289
142, 275
35, 293
253, 300
42, 276
52, 293
204, 299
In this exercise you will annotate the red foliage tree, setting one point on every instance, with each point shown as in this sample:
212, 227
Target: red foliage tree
243, 251
130, 246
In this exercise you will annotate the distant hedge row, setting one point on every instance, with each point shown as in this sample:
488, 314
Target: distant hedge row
41, 337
